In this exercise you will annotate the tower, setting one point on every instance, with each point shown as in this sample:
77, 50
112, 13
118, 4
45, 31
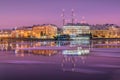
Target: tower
63, 16
72, 16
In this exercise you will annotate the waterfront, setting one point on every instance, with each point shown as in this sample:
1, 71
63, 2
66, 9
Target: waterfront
71, 60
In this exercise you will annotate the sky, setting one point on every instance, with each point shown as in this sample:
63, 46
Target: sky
17, 13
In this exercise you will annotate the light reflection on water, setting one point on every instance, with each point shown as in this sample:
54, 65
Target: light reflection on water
68, 48
83, 56
8, 45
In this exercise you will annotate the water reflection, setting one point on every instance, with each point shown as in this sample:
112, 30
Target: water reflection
70, 63
105, 43
7, 45
77, 52
38, 52
90, 56
73, 58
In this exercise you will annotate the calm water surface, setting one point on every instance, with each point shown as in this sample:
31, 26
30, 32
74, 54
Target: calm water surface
60, 60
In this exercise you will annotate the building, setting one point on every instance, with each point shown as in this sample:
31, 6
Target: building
44, 31
111, 32
22, 32
5, 33
76, 31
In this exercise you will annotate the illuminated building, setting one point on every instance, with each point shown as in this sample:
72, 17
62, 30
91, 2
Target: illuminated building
44, 31
22, 32
5, 33
111, 32
77, 31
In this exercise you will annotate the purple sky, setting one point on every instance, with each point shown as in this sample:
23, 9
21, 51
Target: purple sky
28, 12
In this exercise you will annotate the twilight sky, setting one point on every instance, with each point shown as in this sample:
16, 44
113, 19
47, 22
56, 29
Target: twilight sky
28, 12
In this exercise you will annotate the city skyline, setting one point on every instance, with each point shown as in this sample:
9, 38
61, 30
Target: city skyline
26, 13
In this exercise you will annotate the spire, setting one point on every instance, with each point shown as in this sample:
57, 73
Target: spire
73, 16
63, 16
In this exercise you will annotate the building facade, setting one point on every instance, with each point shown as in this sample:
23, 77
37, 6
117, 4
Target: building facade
6, 33
76, 31
44, 31
36, 31
22, 32
108, 33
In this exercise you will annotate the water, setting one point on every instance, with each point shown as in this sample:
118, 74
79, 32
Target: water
60, 60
